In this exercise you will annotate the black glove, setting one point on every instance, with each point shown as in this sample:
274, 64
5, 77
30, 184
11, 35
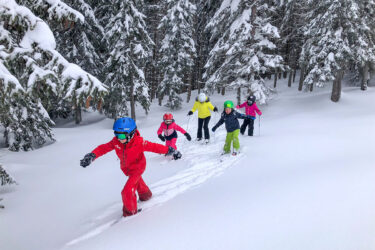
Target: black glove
190, 112
162, 138
177, 155
215, 109
87, 159
213, 129
188, 137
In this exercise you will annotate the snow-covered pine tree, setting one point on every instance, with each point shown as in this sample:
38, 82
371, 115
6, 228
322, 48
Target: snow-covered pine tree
5, 178
130, 46
206, 9
217, 27
154, 11
177, 49
26, 122
291, 19
83, 44
72, 90
243, 54
337, 35
362, 42
37, 76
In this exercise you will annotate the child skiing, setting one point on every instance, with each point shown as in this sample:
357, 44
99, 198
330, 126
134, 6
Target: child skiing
169, 128
130, 148
203, 105
230, 117
250, 109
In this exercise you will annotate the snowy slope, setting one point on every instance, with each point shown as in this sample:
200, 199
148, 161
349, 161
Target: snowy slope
307, 182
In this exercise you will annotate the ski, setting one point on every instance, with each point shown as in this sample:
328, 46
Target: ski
224, 156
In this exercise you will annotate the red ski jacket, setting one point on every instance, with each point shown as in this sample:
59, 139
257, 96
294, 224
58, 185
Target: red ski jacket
131, 155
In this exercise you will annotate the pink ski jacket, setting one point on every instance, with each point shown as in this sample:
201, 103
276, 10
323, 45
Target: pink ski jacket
250, 110
170, 130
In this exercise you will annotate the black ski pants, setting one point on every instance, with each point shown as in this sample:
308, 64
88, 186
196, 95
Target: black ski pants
247, 122
203, 122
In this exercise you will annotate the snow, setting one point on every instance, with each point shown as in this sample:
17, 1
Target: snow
304, 181
8, 79
75, 72
40, 34
61, 10
232, 4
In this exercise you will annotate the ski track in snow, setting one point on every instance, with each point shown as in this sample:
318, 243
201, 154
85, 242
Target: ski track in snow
203, 161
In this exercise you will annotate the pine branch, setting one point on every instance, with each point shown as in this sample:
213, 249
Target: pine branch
5, 178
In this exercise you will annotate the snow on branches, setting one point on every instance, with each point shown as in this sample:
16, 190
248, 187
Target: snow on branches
5, 178
245, 51
37, 78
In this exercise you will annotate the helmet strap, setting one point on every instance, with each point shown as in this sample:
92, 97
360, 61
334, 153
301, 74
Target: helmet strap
130, 137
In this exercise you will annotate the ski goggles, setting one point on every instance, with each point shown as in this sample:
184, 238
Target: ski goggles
168, 121
122, 136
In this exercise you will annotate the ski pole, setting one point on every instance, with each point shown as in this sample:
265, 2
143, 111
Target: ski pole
259, 126
187, 127
214, 125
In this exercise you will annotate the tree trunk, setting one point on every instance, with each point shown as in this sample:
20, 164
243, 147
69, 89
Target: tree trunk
301, 78
188, 96
218, 90
311, 87
290, 79
78, 114
275, 80
160, 100
294, 74
153, 84
285, 74
336, 87
223, 91
199, 76
365, 77
239, 96
132, 100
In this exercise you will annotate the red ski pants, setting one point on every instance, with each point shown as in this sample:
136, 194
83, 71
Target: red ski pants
171, 143
129, 198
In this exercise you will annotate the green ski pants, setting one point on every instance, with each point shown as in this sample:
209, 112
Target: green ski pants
232, 136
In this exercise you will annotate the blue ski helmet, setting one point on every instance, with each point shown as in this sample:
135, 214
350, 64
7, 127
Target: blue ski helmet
124, 125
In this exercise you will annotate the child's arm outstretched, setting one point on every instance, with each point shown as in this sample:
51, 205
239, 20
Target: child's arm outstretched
241, 106
195, 107
182, 131
257, 109
160, 149
240, 115
219, 123
97, 152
